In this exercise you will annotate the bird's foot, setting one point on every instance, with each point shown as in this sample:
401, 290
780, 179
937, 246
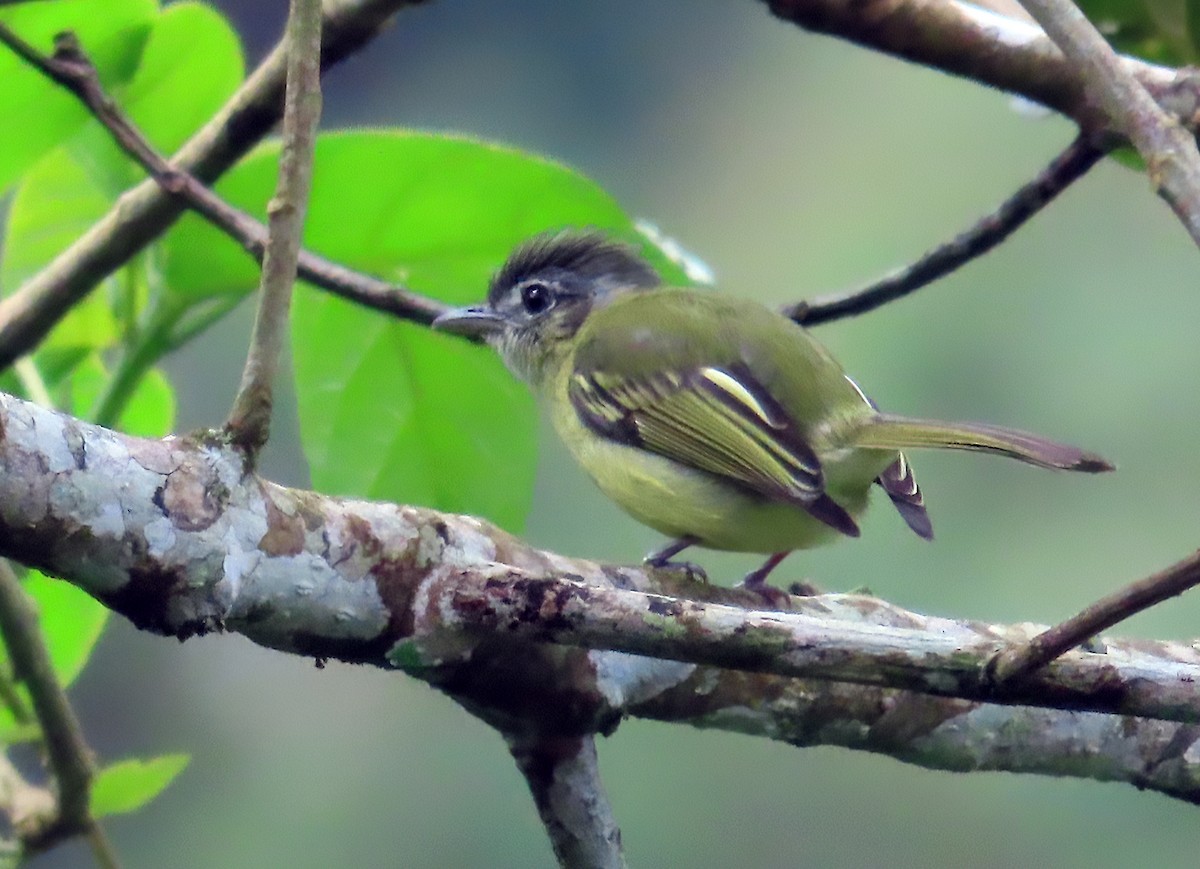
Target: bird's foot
661, 560
773, 598
756, 581
693, 571
804, 588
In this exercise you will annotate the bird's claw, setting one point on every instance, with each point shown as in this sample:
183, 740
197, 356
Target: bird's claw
775, 598
693, 571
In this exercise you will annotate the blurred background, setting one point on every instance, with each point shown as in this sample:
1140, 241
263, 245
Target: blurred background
792, 164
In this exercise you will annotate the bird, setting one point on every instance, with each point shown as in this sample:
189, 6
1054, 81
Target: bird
713, 419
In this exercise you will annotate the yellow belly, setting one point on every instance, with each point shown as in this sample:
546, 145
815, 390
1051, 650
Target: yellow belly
680, 501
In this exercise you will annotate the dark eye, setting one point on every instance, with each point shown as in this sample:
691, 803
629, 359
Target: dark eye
536, 297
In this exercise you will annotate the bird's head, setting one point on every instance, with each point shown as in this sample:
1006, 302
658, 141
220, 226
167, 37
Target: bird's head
544, 293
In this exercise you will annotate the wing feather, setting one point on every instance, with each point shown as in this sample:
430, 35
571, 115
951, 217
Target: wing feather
718, 419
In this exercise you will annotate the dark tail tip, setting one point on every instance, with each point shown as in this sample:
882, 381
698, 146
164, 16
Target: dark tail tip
1091, 463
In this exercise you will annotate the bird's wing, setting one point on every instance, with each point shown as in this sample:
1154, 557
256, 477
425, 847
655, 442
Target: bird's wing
717, 418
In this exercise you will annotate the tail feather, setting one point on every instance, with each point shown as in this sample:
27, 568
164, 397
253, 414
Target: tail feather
888, 431
901, 486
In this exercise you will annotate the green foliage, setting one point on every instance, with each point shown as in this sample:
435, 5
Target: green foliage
1163, 31
114, 37
191, 63
387, 409
128, 785
169, 70
71, 622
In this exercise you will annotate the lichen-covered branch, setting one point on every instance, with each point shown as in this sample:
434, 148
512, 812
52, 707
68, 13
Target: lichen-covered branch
563, 774
938, 656
179, 537
939, 733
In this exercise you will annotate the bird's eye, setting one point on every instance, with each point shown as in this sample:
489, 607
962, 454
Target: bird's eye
536, 297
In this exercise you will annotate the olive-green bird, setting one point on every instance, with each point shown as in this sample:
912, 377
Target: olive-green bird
711, 419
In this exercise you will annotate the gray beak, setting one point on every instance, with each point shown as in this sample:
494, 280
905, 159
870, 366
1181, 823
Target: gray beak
475, 321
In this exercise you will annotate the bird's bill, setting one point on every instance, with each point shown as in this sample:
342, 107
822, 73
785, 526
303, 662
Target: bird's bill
474, 321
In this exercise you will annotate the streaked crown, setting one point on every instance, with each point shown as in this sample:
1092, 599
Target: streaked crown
580, 263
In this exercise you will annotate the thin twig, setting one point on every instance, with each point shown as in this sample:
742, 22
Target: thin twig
72, 69
69, 756
249, 421
1172, 160
1066, 168
1019, 661
145, 212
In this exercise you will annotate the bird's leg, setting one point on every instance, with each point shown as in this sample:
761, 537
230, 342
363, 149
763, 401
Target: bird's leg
662, 558
756, 581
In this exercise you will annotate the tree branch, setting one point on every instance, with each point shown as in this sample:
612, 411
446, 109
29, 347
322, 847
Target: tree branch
970, 42
249, 420
145, 212
938, 733
946, 663
1064, 170
1015, 663
957, 38
68, 753
71, 68
1169, 150
175, 535
564, 777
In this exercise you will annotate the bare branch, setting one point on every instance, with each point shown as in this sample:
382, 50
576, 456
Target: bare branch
1065, 169
68, 753
1168, 149
957, 38
145, 212
564, 777
249, 421
973, 43
1013, 664
72, 68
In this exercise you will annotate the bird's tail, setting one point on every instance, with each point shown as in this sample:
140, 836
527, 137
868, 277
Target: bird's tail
888, 431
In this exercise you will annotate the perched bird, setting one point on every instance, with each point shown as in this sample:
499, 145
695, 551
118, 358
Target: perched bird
714, 420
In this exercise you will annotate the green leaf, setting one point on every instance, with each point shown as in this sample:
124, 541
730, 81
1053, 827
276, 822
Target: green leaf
1162, 31
55, 204
389, 410
71, 622
191, 64
128, 785
150, 411
111, 31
